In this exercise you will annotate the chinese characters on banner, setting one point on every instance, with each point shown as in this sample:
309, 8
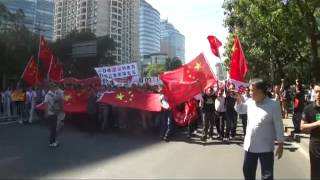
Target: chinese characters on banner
111, 73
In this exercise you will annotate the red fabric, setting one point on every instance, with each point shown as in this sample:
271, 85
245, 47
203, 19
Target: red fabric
296, 103
75, 102
187, 81
238, 65
31, 74
214, 44
133, 99
188, 115
45, 53
55, 72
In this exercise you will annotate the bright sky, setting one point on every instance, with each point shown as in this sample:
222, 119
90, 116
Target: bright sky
195, 19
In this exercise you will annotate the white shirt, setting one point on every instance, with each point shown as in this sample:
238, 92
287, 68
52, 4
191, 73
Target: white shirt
313, 96
220, 104
243, 108
264, 126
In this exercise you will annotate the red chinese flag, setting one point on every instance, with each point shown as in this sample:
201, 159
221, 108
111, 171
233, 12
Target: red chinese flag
55, 72
214, 44
45, 53
31, 74
238, 65
75, 101
133, 99
188, 115
184, 83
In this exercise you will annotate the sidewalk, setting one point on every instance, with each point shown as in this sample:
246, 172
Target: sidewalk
301, 139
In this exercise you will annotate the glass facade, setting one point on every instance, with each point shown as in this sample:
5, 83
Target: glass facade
38, 14
172, 41
149, 29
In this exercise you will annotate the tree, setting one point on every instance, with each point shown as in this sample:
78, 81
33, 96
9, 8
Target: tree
173, 63
63, 49
155, 70
273, 35
17, 44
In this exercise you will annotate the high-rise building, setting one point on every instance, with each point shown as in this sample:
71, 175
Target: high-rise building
149, 29
38, 15
117, 18
172, 41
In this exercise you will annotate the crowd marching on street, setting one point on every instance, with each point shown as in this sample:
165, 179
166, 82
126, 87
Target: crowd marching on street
218, 108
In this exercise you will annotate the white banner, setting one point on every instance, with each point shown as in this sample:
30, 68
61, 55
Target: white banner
111, 73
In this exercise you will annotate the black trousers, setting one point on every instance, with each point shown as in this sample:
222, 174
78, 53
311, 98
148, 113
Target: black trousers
52, 119
314, 162
220, 123
251, 162
208, 123
244, 119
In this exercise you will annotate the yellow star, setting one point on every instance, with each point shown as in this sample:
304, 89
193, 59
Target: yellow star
120, 96
234, 48
67, 98
198, 66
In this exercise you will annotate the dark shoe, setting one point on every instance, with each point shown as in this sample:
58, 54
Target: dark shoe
204, 139
165, 138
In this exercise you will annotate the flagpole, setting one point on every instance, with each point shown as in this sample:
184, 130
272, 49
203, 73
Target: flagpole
38, 57
48, 75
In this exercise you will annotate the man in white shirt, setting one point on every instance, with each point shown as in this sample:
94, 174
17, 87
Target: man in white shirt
220, 114
53, 108
264, 127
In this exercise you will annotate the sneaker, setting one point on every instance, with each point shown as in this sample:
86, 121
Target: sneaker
165, 138
55, 144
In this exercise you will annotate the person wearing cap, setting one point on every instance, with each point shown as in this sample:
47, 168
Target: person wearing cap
264, 127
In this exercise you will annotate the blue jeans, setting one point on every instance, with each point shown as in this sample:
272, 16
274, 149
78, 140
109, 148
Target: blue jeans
166, 124
251, 162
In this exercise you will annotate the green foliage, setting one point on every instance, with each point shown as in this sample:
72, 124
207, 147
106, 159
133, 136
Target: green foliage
276, 36
17, 45
63, 49
173, 63
155, 69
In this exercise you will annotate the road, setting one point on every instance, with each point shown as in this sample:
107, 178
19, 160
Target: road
24, 153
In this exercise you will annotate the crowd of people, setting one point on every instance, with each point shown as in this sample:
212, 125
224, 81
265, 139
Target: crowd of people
218, 112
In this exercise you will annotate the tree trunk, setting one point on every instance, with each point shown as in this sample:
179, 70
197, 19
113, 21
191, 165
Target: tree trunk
4, 80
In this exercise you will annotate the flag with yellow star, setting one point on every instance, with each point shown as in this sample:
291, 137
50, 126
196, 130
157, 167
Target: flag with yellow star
75, 101
187, 81
55, 72
31, 74
187, 115
45, 53
238, 63
133, 99
214, 44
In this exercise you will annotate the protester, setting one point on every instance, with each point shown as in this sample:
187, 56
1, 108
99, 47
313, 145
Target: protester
208, 116
284, 98
311, 124
166, 120
298, 106
231, 114
53, 108
242, 111
264, 127
7, 102
221, 115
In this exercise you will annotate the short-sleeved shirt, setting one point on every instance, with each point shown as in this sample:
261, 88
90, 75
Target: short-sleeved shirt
310, 114
209, 103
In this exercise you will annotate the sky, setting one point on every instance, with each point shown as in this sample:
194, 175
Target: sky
195, 19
